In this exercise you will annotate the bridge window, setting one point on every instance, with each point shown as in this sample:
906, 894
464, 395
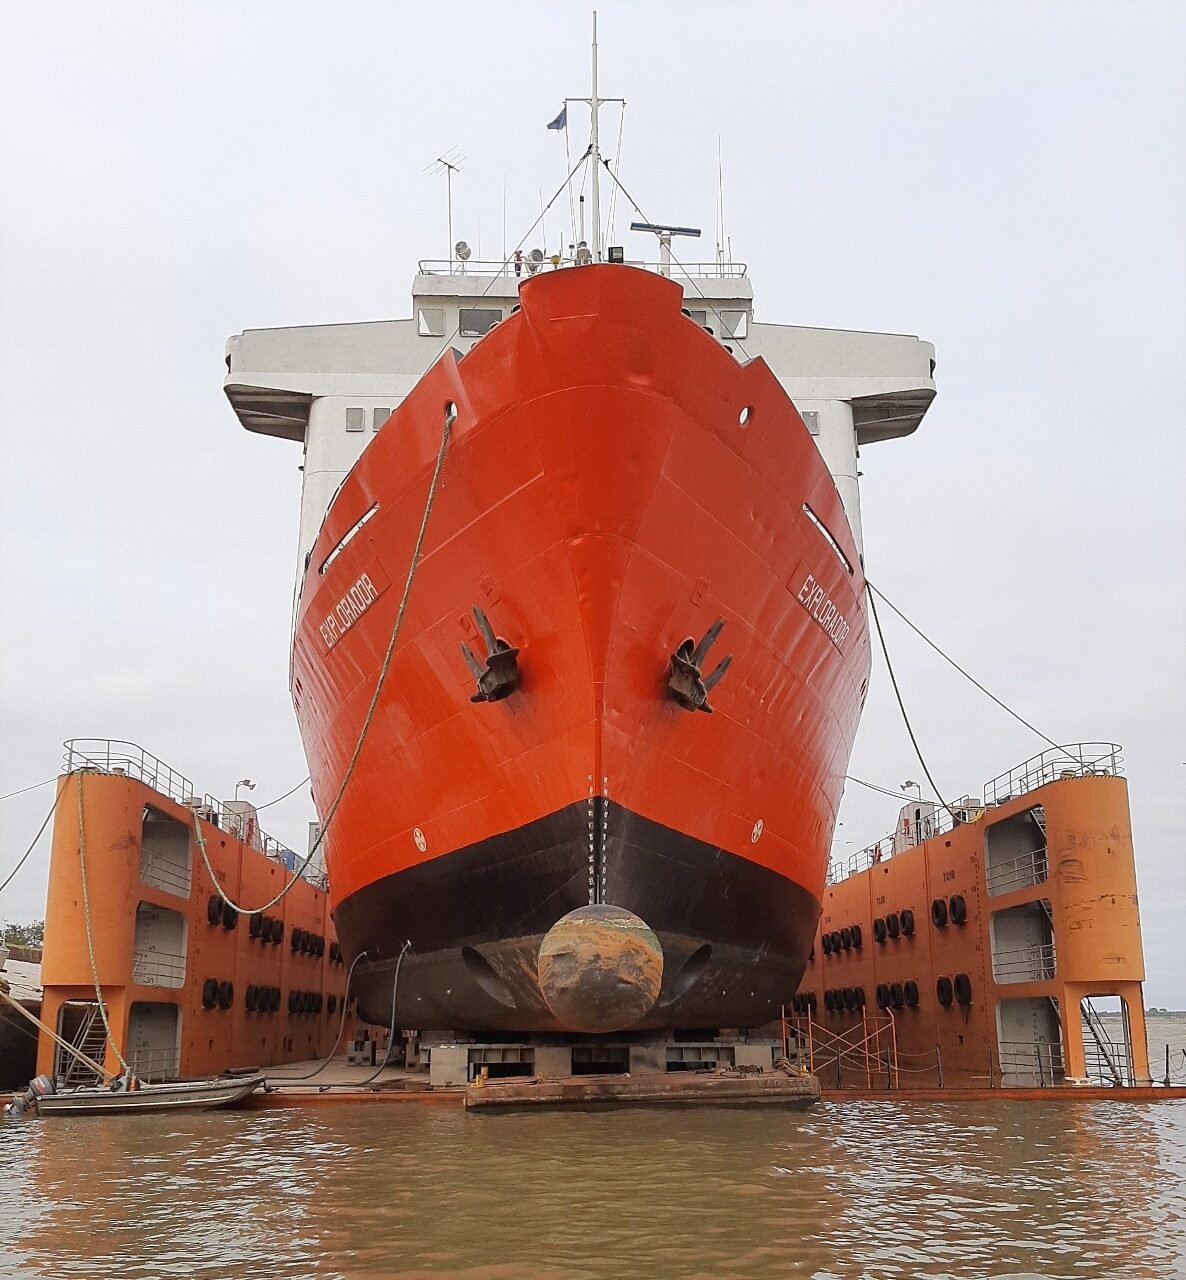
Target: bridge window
430, 322
476, 322
379, 417
734, 324
355, 419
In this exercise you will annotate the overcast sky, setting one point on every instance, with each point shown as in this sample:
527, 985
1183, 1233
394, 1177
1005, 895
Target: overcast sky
1004, 180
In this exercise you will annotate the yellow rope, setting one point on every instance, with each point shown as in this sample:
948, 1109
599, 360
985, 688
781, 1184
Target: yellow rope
90, 939
450, 415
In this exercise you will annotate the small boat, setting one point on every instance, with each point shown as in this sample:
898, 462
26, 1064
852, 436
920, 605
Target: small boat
172, 1095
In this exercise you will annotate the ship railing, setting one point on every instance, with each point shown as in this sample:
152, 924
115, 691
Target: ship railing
1018, 873
1024, 1063
164, 873
1076, 760
110, 755
1035, 963
152, 1065
130, 760
158, 969
496, 267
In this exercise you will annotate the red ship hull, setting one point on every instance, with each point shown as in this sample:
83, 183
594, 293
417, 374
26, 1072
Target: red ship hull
601, 500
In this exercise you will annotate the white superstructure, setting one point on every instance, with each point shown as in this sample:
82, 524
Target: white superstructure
333, 386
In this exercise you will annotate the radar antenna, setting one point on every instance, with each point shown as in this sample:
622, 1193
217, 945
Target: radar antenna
665, 232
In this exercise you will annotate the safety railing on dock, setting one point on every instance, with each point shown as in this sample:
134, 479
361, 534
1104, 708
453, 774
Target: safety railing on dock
1076, 760
158, 969
130, 760
1035, 963
152, 1065
1022, 1063
1018, 873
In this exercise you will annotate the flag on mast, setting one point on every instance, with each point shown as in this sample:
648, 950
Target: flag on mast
561, 121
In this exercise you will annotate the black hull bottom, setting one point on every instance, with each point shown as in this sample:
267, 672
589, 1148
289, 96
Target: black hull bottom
735, 935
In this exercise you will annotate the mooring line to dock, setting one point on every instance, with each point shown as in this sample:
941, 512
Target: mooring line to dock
450, 416
902, 706
24, 856
391, 1029
337, 1039
949, 659
22, 790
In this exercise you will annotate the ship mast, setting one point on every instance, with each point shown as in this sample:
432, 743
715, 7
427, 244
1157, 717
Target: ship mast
595, 103
595, 150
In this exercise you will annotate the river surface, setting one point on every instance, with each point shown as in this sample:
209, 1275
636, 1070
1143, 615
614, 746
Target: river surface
414, 1191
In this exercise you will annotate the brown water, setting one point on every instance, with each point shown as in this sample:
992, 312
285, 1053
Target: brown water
853, 1189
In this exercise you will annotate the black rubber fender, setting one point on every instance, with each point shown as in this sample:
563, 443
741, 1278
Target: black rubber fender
293, 1001
893, 926
944, 992
910, 991
226, 994
906, 921
214, 909
846, 938
939, 913
959, 908
209, 993
858, 938
297, 940
879, 929
963, 989
255, 926
230, 917
251, 998
826, 942
883, 995
898, 995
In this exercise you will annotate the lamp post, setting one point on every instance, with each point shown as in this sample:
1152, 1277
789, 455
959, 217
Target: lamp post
243, 782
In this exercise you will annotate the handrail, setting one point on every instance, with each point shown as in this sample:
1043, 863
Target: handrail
1075, 760
1035, 963
1020, 872
128, 759
496, 267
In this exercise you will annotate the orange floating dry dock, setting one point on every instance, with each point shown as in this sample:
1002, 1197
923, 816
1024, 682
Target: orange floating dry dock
164, 941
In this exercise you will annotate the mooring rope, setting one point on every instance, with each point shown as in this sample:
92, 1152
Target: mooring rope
391, 1029
337, 1039
450, 417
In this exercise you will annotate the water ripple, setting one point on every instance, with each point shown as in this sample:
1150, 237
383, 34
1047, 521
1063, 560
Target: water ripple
876, 1190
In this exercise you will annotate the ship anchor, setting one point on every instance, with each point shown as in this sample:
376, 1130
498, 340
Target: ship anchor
498, 676
685, 683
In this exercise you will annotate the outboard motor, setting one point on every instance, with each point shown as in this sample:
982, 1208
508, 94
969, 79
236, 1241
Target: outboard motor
39, 1087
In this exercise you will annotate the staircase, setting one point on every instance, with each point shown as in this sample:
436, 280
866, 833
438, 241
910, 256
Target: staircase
90, 1039
1109, 1050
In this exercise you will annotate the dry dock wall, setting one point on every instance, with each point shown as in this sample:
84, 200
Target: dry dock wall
156, 946
1025, 911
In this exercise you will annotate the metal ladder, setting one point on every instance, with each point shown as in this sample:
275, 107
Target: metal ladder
91, 1039
1103, 1041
